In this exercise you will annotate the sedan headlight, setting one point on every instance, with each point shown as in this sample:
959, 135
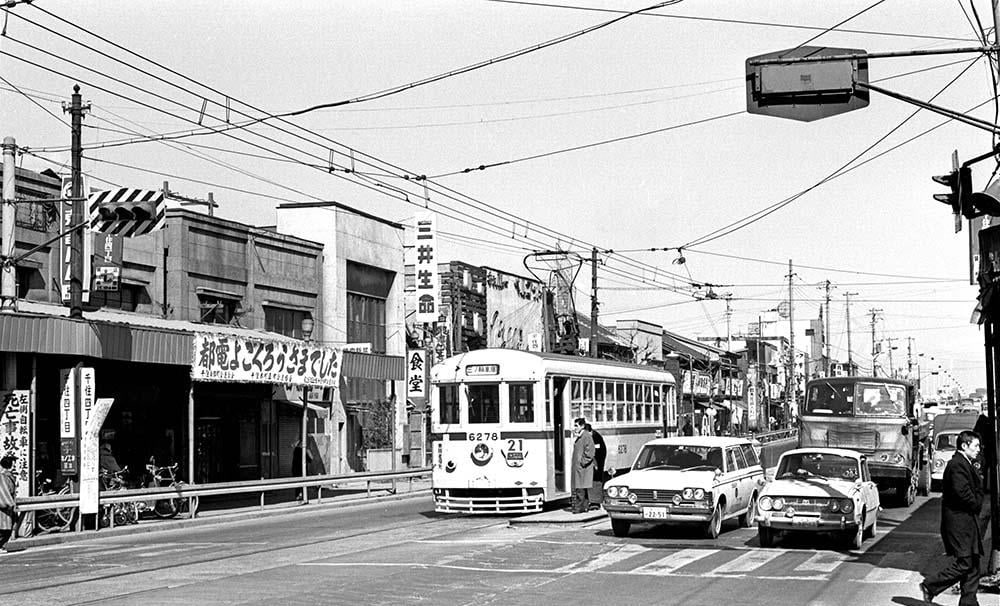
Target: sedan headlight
834, 505
846, 505
938, 463
613, 492
699, 494
777, 504
632, 498
764, 503
688, 494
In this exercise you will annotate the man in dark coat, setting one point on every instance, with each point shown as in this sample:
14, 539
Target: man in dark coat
961, 502
583, 466
600, 456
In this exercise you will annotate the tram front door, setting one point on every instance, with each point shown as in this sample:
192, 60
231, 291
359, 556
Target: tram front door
558, 422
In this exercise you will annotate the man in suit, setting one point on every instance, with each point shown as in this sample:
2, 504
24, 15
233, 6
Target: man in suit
600, 456
583, 466
961, 502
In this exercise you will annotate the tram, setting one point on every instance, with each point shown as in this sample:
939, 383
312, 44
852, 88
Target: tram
502, 423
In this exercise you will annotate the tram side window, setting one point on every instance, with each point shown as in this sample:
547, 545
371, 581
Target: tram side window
484, 403
522, 405
576, 398
448, 404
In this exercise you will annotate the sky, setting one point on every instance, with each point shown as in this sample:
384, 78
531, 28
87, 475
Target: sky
629, 137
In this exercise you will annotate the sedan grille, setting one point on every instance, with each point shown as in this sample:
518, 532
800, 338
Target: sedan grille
653, 496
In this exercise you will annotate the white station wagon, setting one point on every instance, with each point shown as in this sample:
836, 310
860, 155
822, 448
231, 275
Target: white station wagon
703, 480
817, 490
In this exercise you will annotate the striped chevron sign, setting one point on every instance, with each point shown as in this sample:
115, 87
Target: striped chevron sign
126, 212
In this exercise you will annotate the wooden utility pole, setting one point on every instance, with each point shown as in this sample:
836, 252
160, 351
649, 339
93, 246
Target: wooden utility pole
826, 334
593, 302
874, 313
8, 287
76, 109
850, 356
790, 386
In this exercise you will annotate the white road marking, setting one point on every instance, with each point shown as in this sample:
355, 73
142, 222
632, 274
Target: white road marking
749, 561
674, 561
823, 561
892, 575
605, 559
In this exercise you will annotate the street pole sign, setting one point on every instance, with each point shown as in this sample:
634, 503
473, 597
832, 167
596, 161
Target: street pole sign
806, 91
90, 486
67, 422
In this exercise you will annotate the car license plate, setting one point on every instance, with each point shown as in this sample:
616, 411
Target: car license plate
654, 513
805, 522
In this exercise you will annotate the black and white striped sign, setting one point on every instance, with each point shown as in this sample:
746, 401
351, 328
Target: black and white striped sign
126, 198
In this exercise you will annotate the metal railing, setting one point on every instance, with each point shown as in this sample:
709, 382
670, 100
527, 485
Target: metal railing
774, 436
192, 492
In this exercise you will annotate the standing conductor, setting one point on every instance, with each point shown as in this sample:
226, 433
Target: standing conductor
961, 501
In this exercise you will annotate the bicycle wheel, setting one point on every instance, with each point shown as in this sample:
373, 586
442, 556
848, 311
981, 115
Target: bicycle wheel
167, 508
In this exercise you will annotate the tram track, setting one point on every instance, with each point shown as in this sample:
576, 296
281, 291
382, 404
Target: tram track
65, 584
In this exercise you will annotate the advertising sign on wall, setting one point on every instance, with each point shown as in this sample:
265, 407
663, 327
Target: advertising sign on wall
427, 284
416, 373
234, 359
15, 436
513, 310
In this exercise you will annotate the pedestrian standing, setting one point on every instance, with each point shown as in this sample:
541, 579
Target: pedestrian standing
961, 502
600, 456
687, 430
8, 506
583, 466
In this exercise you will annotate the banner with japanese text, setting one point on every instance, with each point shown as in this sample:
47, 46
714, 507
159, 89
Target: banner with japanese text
233, 359
416, 373
15, 436
428, 286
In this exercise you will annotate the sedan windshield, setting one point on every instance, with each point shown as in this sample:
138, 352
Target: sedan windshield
672, 456
816, 464
947, 441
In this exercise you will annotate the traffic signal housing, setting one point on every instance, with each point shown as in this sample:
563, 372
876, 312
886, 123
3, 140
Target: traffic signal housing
960, 183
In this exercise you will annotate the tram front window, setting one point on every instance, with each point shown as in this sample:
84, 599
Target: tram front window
484, 403
522, 406
448, 404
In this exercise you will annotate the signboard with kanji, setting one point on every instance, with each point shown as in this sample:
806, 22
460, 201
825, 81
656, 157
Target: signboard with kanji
426, 276
15, 436
236, 359
67, 422
93, 419
107, 262
416, 373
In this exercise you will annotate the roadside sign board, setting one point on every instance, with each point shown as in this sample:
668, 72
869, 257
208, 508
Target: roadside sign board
67, 422
90, 485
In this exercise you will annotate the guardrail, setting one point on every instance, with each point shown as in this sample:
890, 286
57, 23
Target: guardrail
774, 436
192, 492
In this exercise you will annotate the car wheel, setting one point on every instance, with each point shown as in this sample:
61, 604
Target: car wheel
714, 526
924, 487
766, 536
620, 527
857, 537
907, 493
871, 530
747, 519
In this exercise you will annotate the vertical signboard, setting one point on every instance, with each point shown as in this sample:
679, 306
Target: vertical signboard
427, 283
67, 422
90, 486
107, 262
751, 392
416, 373
15, 436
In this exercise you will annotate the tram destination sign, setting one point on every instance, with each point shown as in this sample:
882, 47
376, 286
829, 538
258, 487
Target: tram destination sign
235, 359
482, 370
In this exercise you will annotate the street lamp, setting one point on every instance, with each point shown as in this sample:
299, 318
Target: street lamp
307, 329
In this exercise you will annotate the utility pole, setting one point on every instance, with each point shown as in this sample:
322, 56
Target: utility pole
850, 356
874, 313
991, 454
76, 109
8, 288
892, 370
826, 334
729, 315
790, 395
909, 357
593, 302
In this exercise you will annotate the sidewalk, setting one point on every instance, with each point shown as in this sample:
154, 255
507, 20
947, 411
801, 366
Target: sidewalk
217, 514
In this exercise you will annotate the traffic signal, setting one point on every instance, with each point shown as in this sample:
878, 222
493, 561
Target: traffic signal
126, 211
985, 202
960, 183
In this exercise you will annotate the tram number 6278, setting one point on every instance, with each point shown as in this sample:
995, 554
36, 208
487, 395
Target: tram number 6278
483, 436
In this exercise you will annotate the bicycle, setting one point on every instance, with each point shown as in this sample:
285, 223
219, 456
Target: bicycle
164, 476
120, 513
52, 520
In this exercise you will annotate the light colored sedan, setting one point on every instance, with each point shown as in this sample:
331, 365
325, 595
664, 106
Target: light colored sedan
819, 490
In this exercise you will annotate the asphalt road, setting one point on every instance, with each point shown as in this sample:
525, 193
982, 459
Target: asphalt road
403, 553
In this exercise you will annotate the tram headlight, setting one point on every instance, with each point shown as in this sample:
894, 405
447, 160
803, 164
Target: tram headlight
688, 494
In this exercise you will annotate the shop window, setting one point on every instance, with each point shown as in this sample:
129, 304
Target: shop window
28, 279
448, 404
126, 298
366, 321
286, 322
218, 310
521, 405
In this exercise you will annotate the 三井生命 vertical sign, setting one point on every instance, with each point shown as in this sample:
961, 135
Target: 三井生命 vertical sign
425, 267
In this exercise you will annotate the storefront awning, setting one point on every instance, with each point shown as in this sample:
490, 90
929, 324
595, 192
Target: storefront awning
358, 365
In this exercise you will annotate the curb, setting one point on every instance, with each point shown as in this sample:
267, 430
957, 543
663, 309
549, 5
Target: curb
227, 518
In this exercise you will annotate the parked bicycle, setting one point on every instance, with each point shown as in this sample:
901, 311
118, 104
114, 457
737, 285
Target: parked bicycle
164, 476
56, 519
120, 513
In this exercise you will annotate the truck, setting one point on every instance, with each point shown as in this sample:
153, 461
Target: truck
878, 417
